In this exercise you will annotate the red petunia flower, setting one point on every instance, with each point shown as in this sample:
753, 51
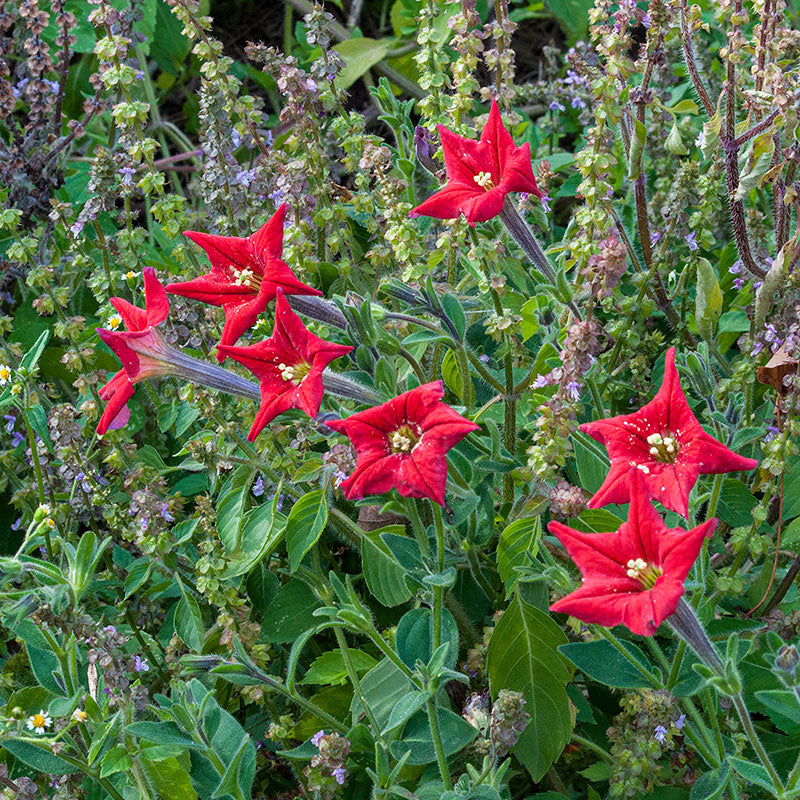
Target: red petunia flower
288, 365
402, 444
480, 173
633, 576
140, 335
666, 443
245, 275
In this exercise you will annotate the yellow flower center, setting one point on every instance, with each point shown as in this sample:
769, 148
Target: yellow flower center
404, 439
38, 721
294, 373
663, 448
484, 180
115, 322
640, 570
246, 277
5, 373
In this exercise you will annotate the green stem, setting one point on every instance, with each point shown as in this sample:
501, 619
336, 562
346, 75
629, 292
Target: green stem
467, 389
353, 675
715, 493
623, 651
595, 748
755, 741
438, 591
676, 665
596, 398
419, 529
708, 703
438, 747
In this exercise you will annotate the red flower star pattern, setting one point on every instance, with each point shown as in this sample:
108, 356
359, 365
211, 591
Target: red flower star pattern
480, 173
245, 276
666, 443
288, 365
139, 333
403, 444
633, 576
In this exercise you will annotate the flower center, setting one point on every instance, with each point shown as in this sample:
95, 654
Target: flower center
404, 439
663, 448
38, 721
294, 373
640, 570
246, 277
484, 180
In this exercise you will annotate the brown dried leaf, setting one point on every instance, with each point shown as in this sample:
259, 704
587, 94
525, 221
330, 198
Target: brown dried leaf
776, 369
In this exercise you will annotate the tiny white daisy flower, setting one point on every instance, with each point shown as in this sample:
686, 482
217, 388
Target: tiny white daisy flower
38, 723
5, 374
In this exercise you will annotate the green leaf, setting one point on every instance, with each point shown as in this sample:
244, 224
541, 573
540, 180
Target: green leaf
735, 503
115, 760
523, 656
517, 547
781, 700
230, 512
384, 686
39, 758
406, 706
306, 522
189, 622
753, 773
596, 520
451, 373
414, 637
708, 302
262, 531
359, 55
384, 575
601, 661
455, 731
290, 613
711, 785
684, 107
160, 733
674, 144
329, 668
138, 575
31, 358
169, 778
573, 15
592, 462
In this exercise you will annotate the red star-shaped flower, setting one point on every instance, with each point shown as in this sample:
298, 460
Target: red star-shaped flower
139, 335
667, 444
633, 576
245, 275
402, 444
288, 366
480, 173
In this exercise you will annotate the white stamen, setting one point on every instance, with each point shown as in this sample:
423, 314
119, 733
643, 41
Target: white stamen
484, 180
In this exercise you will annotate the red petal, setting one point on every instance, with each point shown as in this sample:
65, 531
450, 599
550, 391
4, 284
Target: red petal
372, 477
485, 206
447, 202
116, 392
267, 242
497, 140
465, 158
225, 252
155, 298
518, 173
214, 288
135, 318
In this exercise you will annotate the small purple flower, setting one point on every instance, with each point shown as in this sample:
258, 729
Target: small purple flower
757, 285
276, 196
770, 333
258, 487
556, 106
690, 240
311, 85
236, 137
338, 476
139, 75
109, 629
540, 382
772, 432
574, 390
144, 523
757, 348
76, 228
484, 359
735, 268
17, 439
340, 773
140, 664
660, 734
701, 139
19, 88
127, 174
680, 722
545, 198
655, 236
738, 283
17, 524
316, 737
246, 176
577, 102
10, 420
165, 513
646, 21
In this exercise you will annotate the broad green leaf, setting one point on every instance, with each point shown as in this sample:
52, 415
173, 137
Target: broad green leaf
708, 302
414, 637
573, 15
189, 622
523, 656
262, 531
407, 705
329, 668
783, 701
230, 513
752, 773
115, 760
711, 785
591, 460
517, 547
383, 686
31, 358
160, 733
384, 575
596, 520
601, 661
306, 522
169, 778
735, 503
359, 56
455, 731
39, 758
290, 613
